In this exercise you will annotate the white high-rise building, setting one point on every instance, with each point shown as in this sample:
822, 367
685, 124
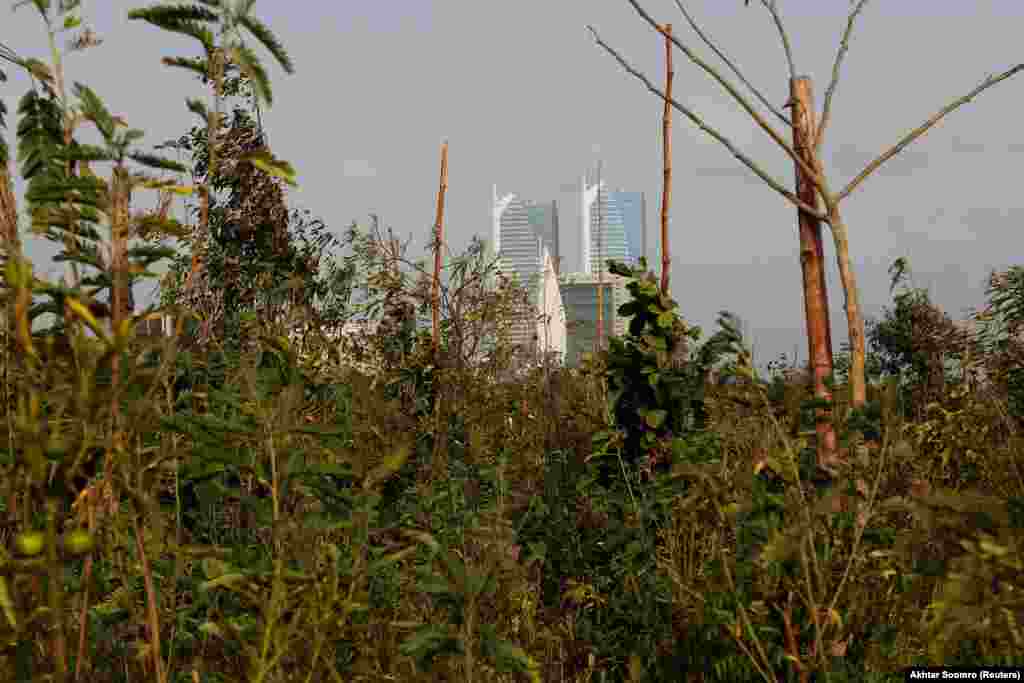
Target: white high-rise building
632, 207
602, 229
525, 239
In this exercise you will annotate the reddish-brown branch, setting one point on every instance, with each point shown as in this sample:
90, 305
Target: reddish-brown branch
666, 192
438, 240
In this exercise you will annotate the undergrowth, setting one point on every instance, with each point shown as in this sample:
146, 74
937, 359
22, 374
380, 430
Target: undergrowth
248, 500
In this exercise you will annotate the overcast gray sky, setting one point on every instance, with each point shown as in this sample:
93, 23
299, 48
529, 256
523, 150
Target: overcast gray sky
527, 100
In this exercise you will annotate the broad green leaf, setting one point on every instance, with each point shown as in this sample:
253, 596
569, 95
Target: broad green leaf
224, 581
390, 558
168, 186
268, 163
7, 604
391, 464
153, 161
210, 628
655, 418
90, 320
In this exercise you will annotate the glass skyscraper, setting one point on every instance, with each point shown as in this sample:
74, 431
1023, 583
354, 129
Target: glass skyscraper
603, 233
525, 239
632, 209
614, 226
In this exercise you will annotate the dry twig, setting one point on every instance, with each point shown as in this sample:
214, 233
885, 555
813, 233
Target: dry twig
770, 5
844, 45
728, 62
922, 129
749, 163
811, 172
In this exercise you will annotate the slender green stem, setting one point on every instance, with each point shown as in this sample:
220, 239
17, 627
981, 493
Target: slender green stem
55, 570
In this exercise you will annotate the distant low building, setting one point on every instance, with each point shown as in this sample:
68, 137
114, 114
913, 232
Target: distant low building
580, 295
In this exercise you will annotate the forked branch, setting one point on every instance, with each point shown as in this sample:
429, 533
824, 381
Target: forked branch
728, 62
844, 45
749, 163
811, 172
922, 129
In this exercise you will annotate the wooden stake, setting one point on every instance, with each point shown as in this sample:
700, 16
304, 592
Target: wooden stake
600, 266
666, 190
438, 238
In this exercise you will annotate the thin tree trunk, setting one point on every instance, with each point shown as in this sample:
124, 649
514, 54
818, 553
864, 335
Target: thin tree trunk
8, 210
438, 239
819, 341
854, 318
121, 300
212, 129
666, 192
9, 235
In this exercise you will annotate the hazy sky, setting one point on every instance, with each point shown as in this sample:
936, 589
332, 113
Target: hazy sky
527, 100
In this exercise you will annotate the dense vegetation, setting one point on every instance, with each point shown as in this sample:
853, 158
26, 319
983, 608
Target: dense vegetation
248, 500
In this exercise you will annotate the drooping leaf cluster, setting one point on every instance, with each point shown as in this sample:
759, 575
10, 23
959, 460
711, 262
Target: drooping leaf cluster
199, 21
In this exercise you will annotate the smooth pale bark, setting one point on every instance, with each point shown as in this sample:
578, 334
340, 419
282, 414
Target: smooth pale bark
812, 262
854, 319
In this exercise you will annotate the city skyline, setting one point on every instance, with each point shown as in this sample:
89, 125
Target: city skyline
525, 233
358, 151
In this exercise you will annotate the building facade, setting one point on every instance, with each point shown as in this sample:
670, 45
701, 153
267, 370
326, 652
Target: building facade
525, 240
602, 230
580, 295
632, 207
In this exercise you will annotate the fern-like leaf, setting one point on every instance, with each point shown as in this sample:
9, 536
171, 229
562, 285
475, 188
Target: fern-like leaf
266, 37
198, 108
82, 152
153, 161
200, 67
94, 110
40, 133
184, 19
169, 15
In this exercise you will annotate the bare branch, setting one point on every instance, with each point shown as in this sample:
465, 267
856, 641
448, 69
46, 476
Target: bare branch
770, 5
735, 70
921, 130
772, 133
774, 184
844, 45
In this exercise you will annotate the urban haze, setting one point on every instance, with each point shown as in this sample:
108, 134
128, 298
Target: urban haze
529, 102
